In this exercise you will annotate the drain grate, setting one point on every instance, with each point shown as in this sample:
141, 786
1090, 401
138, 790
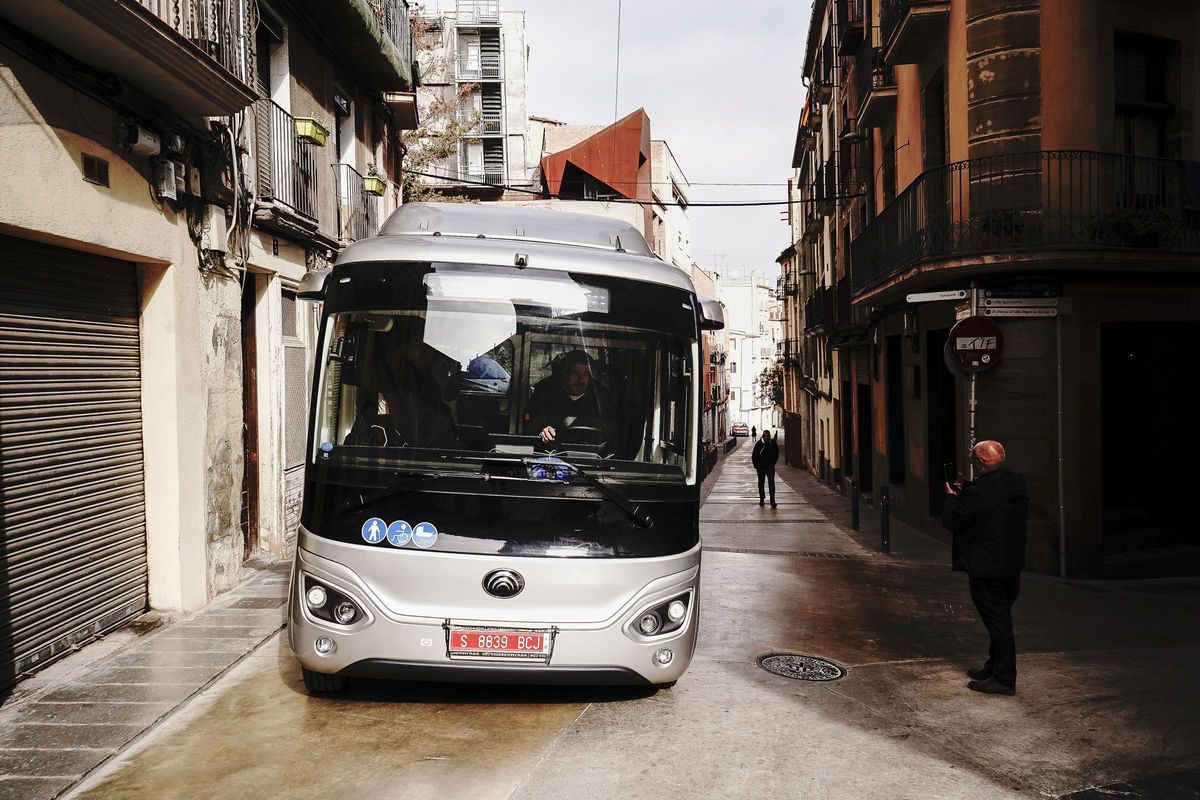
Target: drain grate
259, 602
801, 668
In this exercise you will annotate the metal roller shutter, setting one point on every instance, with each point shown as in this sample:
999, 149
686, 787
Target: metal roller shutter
862, 365
72, 500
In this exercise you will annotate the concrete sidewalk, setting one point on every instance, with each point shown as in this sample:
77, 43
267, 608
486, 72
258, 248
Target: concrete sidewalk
64, 722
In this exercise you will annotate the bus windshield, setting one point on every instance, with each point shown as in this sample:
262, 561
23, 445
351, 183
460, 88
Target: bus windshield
557, 392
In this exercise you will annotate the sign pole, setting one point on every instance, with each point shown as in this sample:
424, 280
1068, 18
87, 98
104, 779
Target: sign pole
971, 395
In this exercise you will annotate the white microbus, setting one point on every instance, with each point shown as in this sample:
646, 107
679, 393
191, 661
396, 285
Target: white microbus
502, 481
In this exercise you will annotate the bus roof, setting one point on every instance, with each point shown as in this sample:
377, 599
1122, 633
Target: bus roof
520, 237
495, 221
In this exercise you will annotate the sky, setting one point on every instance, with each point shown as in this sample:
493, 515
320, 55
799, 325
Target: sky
720, 82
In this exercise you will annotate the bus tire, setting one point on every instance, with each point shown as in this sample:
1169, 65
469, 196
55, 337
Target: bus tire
320, 683
667, 685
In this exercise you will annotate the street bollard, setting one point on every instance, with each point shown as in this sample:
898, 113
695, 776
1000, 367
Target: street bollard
853, 505
885, 535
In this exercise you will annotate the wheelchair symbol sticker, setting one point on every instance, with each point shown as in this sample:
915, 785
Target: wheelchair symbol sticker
398, 533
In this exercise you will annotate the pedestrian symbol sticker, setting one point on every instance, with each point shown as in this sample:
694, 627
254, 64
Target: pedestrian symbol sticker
398, 533
373, 530
424, 535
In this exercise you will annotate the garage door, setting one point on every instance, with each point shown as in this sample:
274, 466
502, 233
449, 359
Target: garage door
72, 503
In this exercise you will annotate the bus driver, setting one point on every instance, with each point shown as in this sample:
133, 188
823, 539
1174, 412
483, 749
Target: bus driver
568, 398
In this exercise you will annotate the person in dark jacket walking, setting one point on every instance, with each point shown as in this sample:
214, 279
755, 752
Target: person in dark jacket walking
764, 456
988, 518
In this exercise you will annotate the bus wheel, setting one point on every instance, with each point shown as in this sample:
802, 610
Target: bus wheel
320, 683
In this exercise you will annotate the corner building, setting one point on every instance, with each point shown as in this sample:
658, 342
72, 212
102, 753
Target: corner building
1031, 149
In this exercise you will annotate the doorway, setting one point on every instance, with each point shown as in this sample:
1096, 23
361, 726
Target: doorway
249, 512
1148, 441
942, 406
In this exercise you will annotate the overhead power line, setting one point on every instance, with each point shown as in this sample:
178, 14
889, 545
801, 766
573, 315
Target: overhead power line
626, 200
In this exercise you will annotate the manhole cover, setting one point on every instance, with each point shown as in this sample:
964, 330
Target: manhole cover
801, 668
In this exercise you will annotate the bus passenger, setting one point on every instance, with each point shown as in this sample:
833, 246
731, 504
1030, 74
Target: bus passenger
568, 398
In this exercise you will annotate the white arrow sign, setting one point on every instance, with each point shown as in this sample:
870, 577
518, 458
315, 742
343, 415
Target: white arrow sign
1021, 302
926, 297
1020, 312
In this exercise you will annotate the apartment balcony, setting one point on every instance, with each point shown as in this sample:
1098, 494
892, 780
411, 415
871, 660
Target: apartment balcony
371, 37
477, 13
360, 213
814, 223
876, 84
819, 311
287, 172
913, 29
825, 188
851, 26
478, 68
824, 73
465, 175
481, 124
194, 56
787, 352
1054, 207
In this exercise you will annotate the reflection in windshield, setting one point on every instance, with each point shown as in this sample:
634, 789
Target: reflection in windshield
476, 360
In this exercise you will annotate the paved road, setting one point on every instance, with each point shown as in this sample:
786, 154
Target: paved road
1106, 693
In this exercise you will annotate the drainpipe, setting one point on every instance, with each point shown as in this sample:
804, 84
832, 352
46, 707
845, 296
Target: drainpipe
1062, 508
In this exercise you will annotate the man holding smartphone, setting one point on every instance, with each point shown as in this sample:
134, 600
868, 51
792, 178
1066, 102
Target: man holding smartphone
988, 517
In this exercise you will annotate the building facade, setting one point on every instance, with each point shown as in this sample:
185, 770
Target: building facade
474, 63
753, 338
190, 161
1032, 164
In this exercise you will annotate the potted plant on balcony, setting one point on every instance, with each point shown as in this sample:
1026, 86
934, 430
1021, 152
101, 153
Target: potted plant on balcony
373, 182
311, 130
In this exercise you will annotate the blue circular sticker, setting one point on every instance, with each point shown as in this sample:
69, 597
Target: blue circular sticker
374, 530
424, 534
399, 532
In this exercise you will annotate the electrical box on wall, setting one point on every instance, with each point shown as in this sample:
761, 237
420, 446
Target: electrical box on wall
216, 231
164, 179
140, 141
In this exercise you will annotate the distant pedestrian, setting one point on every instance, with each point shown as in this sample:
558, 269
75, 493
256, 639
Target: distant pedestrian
765, 454
988, 517
753, 432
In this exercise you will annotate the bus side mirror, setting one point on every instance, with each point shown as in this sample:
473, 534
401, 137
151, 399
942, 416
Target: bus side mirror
712, 316
312, 285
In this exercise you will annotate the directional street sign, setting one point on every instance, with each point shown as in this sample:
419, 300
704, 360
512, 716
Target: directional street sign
1027, 311
926, 297
1020, 302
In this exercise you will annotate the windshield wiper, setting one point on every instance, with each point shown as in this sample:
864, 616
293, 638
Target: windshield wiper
643, 519
409, 481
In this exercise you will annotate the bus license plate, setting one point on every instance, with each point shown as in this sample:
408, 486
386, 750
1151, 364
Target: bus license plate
499, 643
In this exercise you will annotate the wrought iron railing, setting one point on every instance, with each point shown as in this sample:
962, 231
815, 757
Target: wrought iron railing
359, 212
825, 187
224, 29
787, 352
287, 172
891, 12
1057, 199
395, 23
871, 72
850, 25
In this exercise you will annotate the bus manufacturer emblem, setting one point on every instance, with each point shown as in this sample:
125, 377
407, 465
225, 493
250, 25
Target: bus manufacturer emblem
503, 583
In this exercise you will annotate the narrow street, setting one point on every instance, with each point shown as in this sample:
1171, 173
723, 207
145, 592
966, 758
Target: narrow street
1105, 693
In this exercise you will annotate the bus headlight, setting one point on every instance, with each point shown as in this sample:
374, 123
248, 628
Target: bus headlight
345, 612
664, 617
316, 596
330, 605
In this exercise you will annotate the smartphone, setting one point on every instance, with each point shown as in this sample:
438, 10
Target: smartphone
951, 473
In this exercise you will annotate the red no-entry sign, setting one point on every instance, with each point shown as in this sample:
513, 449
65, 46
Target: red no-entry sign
976, 343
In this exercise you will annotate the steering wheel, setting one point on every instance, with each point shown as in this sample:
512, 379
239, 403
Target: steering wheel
583, 434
